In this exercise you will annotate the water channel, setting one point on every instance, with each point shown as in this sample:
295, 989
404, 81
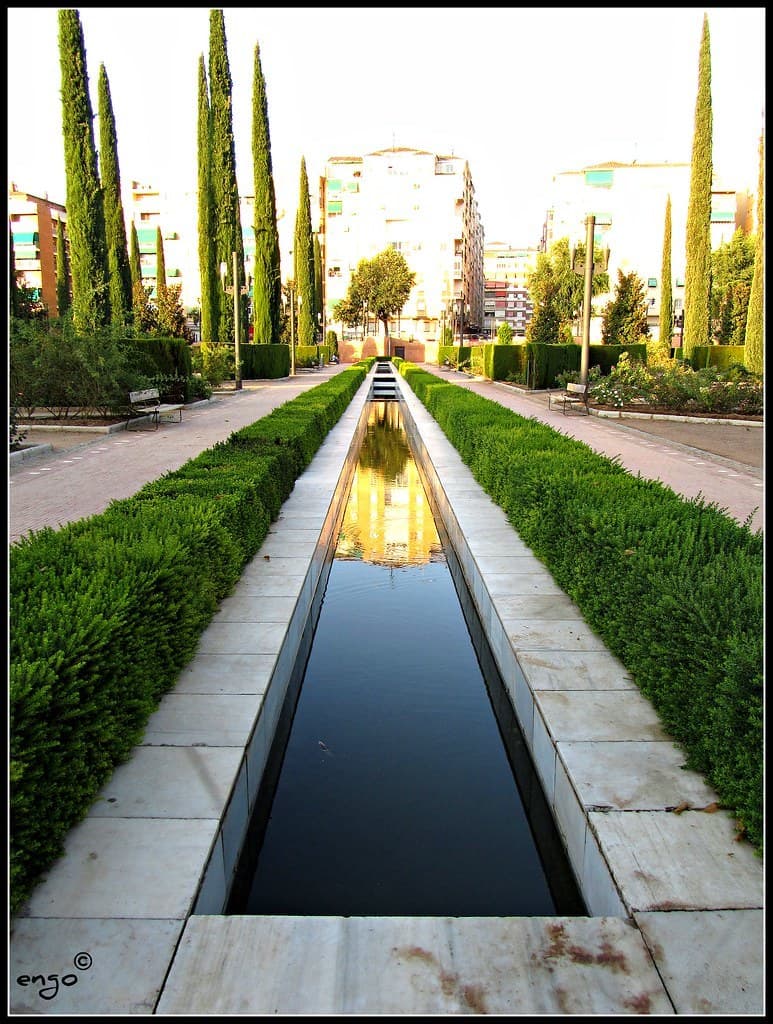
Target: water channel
399, 783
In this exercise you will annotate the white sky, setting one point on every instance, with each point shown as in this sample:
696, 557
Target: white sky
521, 93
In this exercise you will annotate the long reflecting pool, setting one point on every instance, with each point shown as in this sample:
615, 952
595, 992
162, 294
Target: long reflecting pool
394, 787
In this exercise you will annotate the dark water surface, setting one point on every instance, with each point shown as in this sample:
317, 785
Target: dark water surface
399, 792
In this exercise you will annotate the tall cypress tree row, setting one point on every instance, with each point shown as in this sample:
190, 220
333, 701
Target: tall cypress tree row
666, 299
85, 210
210, 292
160, 267
318, 296
303, 258
62, 274
227, 235
267, 285
115, 225
697, 277
755, 315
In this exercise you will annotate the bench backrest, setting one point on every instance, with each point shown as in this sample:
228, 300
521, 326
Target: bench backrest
579, 389
148, 395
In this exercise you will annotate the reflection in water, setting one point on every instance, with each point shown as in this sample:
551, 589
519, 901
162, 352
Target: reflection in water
392, 786
387, 519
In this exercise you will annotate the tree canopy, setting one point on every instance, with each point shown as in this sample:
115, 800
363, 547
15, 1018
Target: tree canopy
624, 320
379, 286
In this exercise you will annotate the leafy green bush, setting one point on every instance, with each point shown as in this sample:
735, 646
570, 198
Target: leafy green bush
107, 611
673, 587
674, 385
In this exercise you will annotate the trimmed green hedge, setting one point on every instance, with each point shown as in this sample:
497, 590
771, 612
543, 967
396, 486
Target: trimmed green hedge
164, 355
455, 354
721, 356
546, 362
674, 587
264, 362
107, 611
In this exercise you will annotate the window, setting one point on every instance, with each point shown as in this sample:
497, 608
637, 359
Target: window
334, 207
333, 184
599, 179
652, 282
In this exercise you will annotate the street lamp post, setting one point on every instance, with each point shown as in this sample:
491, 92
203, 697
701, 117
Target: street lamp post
588, 268
292, 327
235, 291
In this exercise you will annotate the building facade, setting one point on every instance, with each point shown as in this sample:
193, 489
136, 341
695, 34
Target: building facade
628, 202
33, 221
507, 299
422, 205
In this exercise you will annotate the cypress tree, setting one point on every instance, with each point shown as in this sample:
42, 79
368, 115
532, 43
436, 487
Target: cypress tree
160, 267
210, 302
755, 316
267, 285
318, 297
62, 276
115, 225
303, 258
227, 235
697, 278
135, 264
666, 299
85, 210
13, 283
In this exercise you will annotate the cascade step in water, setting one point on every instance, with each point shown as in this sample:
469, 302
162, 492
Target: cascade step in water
384, 385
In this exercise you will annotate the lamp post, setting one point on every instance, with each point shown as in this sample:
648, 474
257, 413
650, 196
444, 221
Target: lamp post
588, 268
292, 327
235, 291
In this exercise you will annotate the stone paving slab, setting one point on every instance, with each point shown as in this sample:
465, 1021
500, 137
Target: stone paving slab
125, 868
574, 670
226, 673
435, 966
711, 963
688, 861
118, 965
599, 715
633, 776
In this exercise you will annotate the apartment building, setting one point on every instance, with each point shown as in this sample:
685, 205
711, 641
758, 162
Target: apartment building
423, 205
33, 222
176, 213
507, 299
628, 202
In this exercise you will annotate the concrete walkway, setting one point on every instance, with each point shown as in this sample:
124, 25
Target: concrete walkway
132, 915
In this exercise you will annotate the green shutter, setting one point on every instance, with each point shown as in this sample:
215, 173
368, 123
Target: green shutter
334, 184
335, 206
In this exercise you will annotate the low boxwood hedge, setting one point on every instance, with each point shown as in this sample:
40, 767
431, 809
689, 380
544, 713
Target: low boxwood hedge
105, 612
674, 587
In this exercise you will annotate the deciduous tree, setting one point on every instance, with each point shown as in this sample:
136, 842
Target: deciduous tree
624, 320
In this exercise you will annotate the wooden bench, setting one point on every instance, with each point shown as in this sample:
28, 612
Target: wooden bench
575, 396
147, 404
